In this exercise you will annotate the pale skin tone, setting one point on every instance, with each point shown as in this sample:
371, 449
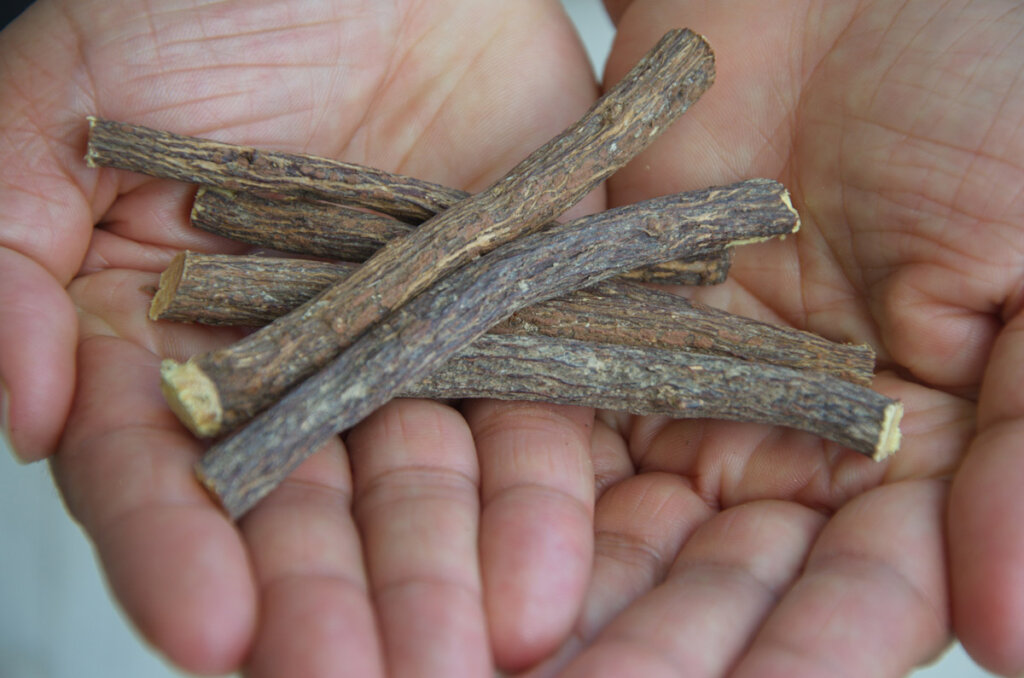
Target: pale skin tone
547, 541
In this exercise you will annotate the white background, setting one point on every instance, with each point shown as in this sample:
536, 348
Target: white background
57, 619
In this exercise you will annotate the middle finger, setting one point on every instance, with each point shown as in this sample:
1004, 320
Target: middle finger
417, 506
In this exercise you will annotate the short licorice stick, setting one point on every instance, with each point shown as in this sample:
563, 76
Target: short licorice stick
426, 331
329, 230
252, 290
218, 390
246, 290
163, 154
294, 225
675, 383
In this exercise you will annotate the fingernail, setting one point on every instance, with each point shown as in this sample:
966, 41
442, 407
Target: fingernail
5, 422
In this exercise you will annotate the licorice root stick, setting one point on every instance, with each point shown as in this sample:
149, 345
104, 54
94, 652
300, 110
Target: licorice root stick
216, 391
158, 153
455, 311
330, 230
252, 290
676, 383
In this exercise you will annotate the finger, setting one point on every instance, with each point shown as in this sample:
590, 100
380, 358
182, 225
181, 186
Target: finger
155, 216
416, 504
727, 577
173, 560
147, 227
536, 539
986, 544
316, 616
37, 355
872, 598
640, 524
125, 462
608, 451
616, 8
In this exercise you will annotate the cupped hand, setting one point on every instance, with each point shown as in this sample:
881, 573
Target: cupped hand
718, 548
743, 550
366, 560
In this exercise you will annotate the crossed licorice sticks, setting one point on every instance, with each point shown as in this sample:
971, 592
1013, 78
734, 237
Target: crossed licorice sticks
414, 318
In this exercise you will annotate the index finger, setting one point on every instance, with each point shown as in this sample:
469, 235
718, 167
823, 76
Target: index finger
37, 345
986, 548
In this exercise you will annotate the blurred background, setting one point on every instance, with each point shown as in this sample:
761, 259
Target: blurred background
57, 618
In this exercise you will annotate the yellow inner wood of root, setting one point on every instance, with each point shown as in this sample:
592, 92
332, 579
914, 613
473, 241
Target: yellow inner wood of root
889, 435
192, 396
787, 201
167, 287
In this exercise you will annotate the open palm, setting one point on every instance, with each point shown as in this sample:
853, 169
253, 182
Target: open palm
437, 541
346, 569
751, 551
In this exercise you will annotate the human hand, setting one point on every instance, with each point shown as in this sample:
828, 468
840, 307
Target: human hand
738, 550
361, 560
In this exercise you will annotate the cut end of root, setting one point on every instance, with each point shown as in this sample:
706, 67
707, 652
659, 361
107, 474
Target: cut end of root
787, 200
90, 157
196, 204
168, 286
192, 396
889, 436
209, 484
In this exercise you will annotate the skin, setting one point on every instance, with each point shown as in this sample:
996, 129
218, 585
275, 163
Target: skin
544, 540
322, 578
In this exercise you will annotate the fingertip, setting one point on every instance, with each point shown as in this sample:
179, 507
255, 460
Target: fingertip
312, 626
38, 328
416, 504
182, 575
316, 614
987, 552
620, 658
5, 422
535, 579
536, 530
